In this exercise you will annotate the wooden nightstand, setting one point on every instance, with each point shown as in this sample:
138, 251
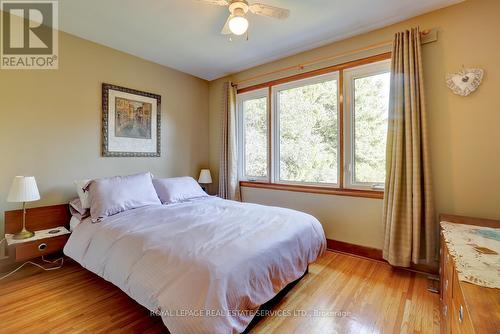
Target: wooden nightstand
37, 219
42, 243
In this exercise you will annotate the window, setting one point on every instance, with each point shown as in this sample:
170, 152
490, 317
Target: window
253, 135
306, 131
327, 131
367, 106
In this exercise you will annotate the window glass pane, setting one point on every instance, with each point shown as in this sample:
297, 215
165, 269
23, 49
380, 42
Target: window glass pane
308, 133
255, 137
371, 105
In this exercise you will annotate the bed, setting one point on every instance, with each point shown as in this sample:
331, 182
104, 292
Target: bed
205, 265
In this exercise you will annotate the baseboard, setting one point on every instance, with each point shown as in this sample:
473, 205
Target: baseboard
363, 251
374, 254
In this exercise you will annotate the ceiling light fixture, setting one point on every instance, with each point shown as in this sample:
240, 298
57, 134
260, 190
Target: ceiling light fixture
238, 25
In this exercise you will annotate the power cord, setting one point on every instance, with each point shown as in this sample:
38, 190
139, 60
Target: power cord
60, 260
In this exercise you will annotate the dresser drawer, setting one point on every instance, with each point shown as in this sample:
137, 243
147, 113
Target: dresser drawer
461, 322
36, 248
447, 273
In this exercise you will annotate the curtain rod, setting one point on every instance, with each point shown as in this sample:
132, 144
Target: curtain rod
301, 66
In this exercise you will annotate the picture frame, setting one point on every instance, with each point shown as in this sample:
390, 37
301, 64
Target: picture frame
131, 122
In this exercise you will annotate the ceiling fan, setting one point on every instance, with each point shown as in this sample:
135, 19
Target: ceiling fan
237, 23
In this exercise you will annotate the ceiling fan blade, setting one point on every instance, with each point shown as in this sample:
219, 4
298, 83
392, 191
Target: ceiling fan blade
216, 2
225, 30
271, 11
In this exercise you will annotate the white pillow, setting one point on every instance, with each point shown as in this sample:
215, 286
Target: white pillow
83, 195
178, 189
112, 195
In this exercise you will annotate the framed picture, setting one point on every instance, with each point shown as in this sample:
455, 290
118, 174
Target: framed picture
131, 123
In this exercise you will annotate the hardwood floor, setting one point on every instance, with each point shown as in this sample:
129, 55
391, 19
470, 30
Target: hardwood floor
368, 296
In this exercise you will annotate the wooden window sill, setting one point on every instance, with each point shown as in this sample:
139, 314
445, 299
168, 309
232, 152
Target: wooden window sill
314, 189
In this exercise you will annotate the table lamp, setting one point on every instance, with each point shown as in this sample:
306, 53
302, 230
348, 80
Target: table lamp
205, 178
23, 190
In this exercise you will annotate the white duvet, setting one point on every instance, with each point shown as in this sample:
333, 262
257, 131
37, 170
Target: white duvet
203, 264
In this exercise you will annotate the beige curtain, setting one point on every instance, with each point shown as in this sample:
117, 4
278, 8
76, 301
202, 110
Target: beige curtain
228, 171
410, 225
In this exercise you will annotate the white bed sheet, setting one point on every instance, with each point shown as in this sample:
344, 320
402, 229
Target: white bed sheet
73, 222
202, 264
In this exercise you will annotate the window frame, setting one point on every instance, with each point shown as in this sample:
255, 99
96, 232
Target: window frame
350, 75
240, 133
340, 189
275, 147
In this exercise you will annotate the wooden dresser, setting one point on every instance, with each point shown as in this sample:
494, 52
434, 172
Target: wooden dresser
466, 307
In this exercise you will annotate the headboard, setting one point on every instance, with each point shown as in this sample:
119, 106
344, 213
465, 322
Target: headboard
40, 218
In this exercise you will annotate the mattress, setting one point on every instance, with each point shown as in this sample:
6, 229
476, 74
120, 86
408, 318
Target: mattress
204, 266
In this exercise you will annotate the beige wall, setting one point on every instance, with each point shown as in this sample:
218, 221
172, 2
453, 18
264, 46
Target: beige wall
464, 131
50, 121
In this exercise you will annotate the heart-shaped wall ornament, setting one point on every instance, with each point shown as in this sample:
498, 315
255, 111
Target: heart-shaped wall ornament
465, 81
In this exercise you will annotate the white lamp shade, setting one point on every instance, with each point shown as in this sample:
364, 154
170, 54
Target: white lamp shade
205, 176
23, 189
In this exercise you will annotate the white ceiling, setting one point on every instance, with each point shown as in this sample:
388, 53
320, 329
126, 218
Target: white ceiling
185, 34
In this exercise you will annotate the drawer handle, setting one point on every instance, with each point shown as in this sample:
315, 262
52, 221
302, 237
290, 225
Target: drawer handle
445, 310
446, 285
461, 314
42, 247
